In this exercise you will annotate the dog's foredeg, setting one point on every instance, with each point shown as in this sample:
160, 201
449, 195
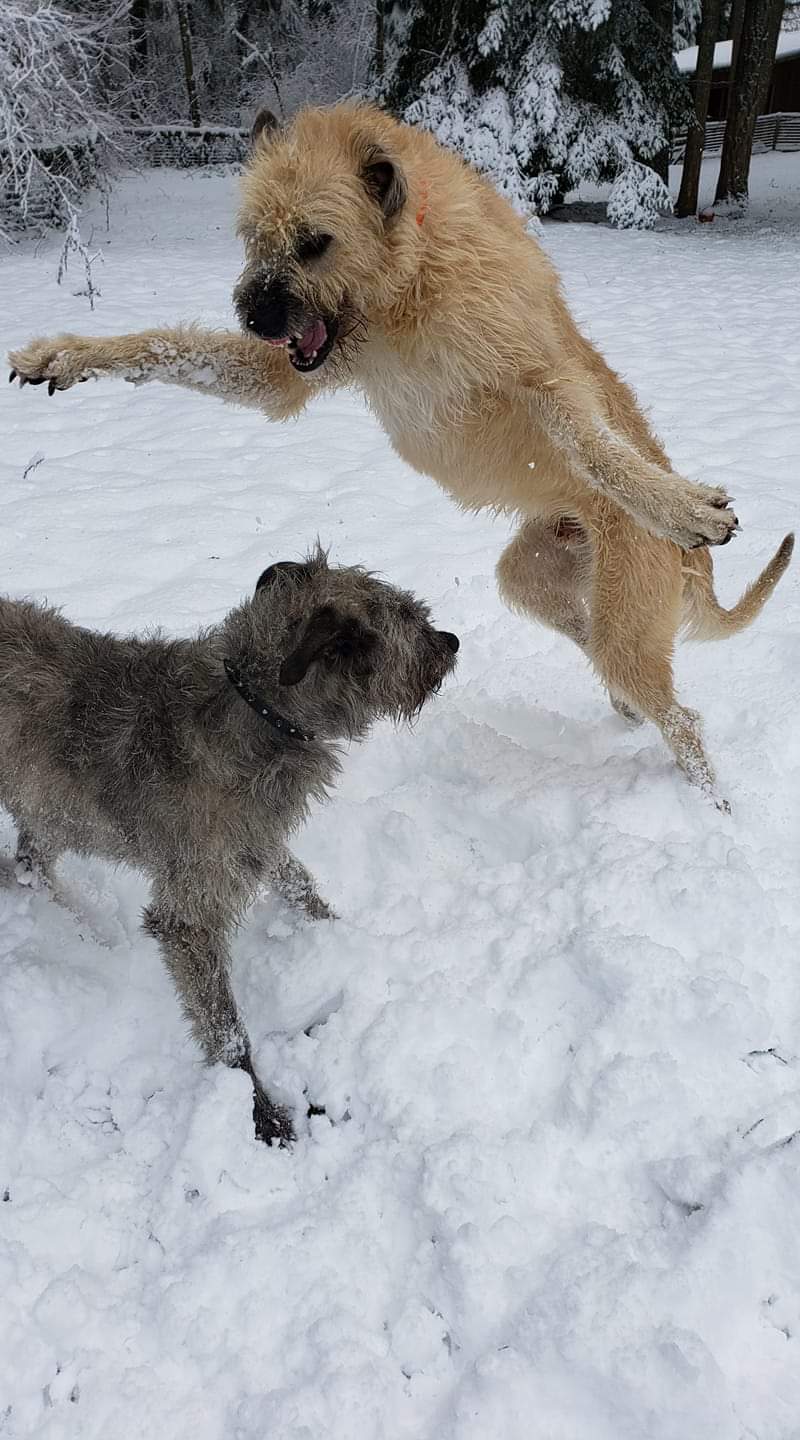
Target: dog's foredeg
192, 760
376, 258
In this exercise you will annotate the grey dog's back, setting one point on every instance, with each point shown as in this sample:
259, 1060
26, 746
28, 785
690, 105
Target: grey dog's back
96, 730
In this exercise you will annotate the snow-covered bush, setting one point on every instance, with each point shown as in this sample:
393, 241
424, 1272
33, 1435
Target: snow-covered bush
637, 198
53, 120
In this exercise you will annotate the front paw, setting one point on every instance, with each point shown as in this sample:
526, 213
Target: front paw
700, 515
272, 1122
62, 361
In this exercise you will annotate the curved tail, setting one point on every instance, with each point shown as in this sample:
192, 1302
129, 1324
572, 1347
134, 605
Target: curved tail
703, 616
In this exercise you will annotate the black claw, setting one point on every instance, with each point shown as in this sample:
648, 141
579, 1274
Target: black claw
23, 380
12, 377
51, 387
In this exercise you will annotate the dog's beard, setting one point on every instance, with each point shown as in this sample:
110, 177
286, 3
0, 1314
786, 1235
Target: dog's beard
351, 336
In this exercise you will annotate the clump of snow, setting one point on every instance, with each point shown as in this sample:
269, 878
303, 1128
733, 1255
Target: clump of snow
556, 1026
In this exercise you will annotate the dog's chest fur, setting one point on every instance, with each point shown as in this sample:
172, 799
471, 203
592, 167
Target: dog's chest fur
403, 393
469, 440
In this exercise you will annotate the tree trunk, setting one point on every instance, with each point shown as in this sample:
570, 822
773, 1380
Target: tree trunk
768, 63
737, 17
756, 54
693, 154
380, 19
138, 17
188, 62
137, 31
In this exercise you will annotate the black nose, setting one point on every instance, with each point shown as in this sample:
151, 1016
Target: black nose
268, 311
451, 641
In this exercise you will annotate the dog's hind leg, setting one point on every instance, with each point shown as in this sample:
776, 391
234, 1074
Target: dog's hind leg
34, 860
197, 957
624, 709
546, 572
542, 573
644, 678
633, 632
297, 885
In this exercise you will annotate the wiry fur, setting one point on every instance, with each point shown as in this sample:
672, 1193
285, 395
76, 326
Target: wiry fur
460, 339
142, 751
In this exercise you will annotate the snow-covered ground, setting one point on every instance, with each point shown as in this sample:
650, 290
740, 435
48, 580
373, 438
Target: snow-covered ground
557, 1027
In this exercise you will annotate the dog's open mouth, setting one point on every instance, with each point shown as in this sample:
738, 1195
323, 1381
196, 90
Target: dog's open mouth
311, 348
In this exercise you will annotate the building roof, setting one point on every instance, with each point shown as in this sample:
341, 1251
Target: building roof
788, 44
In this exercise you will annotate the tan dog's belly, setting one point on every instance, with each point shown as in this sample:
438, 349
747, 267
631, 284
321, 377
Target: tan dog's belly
489, 454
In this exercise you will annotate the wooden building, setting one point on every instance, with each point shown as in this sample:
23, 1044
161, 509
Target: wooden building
784, 90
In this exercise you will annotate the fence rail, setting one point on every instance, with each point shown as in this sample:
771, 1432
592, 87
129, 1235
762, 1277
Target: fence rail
185, 146
772, 132
223, 144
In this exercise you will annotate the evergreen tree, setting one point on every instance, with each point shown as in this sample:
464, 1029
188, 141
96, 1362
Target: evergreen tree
542, 97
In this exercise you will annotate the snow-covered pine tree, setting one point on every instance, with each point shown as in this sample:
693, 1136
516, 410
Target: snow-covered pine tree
543, 96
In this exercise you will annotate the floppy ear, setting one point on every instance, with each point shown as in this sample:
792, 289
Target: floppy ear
340, 636
272, 571
384, 181
263, 124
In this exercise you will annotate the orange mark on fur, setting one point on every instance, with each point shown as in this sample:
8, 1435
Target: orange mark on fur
423, 203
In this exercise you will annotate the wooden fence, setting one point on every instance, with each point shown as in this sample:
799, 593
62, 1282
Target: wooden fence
773, 132
185, 147
181, 145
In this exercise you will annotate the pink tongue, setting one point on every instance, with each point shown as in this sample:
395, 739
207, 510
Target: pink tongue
313, 337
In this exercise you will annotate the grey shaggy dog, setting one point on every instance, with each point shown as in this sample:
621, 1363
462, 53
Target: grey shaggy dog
193, 759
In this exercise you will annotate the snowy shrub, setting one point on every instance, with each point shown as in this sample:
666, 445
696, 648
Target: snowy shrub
52, 119
637, 198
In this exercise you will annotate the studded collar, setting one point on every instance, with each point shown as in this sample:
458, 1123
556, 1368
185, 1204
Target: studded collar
262, 707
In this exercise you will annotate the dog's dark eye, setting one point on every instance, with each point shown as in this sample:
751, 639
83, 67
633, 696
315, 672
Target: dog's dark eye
311, 247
